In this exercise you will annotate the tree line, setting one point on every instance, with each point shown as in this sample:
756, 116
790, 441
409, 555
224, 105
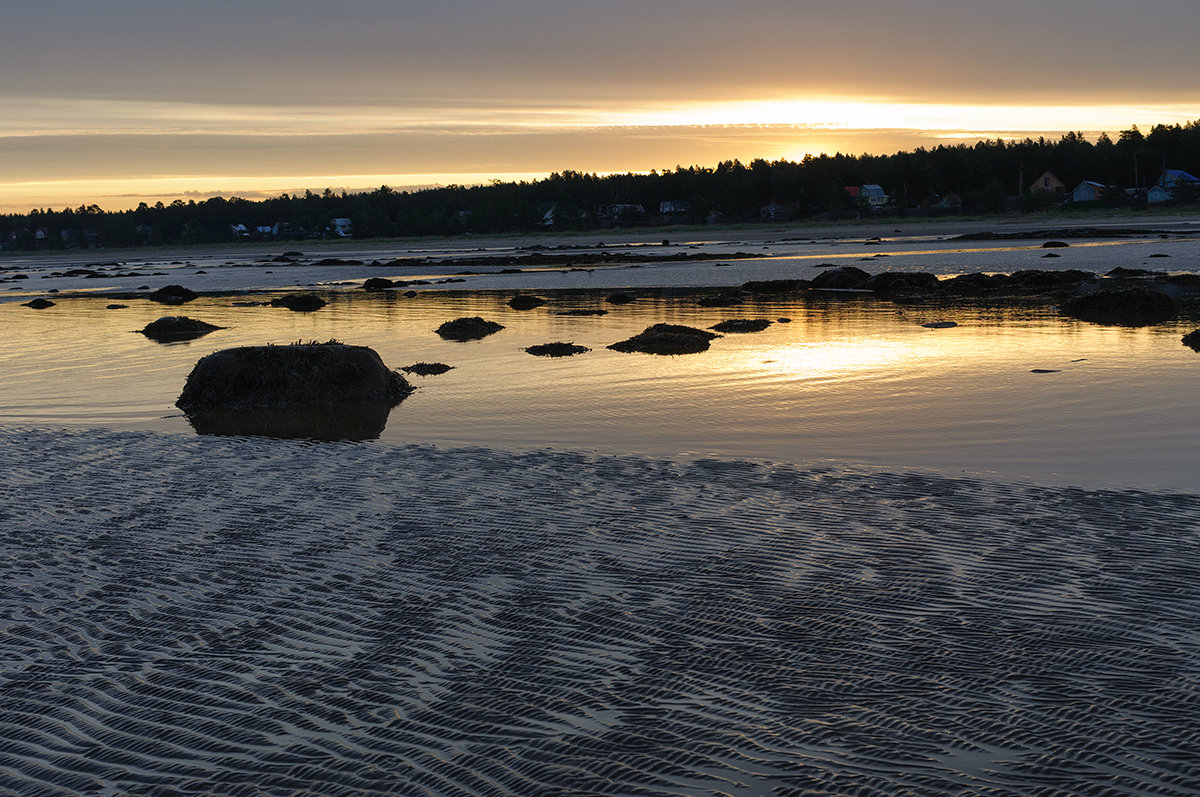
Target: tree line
990, 176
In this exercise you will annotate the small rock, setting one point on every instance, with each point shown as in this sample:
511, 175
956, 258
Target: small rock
556, 349
38, 304
1192, 340
619, 298
741, 325
427, 369
299, 302
172, 294
525, 302
1055, 245
468, 328
176, 327
940, 324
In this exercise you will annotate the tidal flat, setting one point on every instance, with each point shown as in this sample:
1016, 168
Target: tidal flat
931, 547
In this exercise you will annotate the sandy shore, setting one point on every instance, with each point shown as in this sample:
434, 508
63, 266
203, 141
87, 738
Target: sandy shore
243, 616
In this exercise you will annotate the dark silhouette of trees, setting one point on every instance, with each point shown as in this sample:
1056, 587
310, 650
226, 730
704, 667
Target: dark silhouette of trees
990, 176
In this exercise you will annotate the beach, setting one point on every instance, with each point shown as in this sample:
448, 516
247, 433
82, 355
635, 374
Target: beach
249, 616
849, 554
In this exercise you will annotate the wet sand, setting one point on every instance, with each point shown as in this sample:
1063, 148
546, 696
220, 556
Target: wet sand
246, 616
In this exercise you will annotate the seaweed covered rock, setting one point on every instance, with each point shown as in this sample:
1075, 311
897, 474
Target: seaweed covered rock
173, 294
667, 339
300, 302
468, 328
177, 327
299, 375
1036, 279
525, 302
841, 277
1131, 307
427, 369
378, 284
557, 349
973, 284
902, 281
742, 325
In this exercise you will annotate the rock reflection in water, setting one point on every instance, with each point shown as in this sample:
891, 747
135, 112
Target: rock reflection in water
345, 422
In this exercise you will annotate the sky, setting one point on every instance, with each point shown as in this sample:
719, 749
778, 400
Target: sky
127, 101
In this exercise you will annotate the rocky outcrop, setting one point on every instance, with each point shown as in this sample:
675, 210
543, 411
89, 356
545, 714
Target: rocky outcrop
1131, 307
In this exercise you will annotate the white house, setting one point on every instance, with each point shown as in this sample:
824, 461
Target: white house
342, 228
874, 195
1087, 191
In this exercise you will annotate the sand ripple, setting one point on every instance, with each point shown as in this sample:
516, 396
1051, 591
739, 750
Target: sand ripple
233, 616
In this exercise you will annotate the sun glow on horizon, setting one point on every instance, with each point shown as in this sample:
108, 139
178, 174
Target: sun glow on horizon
466, 143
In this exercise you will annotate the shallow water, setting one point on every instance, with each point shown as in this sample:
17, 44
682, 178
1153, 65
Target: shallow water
847, 380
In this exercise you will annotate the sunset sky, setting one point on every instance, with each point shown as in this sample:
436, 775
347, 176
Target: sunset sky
130, 100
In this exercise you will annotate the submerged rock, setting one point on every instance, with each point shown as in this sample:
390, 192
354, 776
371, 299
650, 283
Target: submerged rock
468, 328
619, 298
177, 327
724, 300
1133, 307
773, 286
427, 369
558, 349
173, 294
525, 302
300, 302
940, 325
299, 375
742, 325
667, 339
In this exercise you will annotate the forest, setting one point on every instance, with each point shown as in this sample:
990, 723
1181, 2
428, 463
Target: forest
991, 176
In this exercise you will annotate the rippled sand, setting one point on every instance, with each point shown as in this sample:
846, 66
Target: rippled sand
238, 616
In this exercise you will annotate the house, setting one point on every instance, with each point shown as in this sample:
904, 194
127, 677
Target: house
1175, 178
874, 196
1156, 195
239, 230
620, 214
1087, 191
1048, 183
775, 210
672, 207
342, 228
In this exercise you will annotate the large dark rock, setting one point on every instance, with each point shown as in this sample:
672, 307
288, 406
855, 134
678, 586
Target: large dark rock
171, 328
1192, 340
1132, 307
667, 339
300, 375
173, 294
38, 304
841, 277
378, 284
468, 328
300, 302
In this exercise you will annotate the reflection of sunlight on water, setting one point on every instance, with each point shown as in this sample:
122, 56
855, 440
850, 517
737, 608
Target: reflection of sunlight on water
831, 359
